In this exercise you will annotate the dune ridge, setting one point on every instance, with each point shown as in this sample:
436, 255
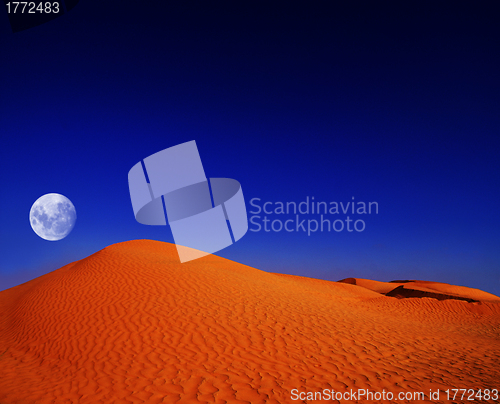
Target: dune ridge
416, 288
129, 324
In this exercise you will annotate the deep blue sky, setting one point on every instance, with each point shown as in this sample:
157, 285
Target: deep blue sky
398, 106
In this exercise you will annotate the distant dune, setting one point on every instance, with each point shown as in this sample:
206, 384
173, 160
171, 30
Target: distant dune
130, 324
435, 290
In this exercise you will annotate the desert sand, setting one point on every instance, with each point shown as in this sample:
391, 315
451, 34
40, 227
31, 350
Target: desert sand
130, 324
416, 288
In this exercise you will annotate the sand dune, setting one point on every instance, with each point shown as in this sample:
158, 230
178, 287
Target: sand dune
415, 288
130, 324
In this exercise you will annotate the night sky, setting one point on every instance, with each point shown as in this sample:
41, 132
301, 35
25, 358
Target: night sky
394, 105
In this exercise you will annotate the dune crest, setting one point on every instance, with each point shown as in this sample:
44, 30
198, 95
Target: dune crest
415, 288
129, 324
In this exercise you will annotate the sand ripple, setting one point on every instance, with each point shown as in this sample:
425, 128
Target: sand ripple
130, 324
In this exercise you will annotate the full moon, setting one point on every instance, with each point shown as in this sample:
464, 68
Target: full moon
52, 217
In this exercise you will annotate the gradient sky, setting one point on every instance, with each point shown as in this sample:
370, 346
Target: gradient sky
398, 106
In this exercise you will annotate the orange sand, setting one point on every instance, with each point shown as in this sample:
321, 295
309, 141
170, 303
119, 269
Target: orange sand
436, 290
130, 324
